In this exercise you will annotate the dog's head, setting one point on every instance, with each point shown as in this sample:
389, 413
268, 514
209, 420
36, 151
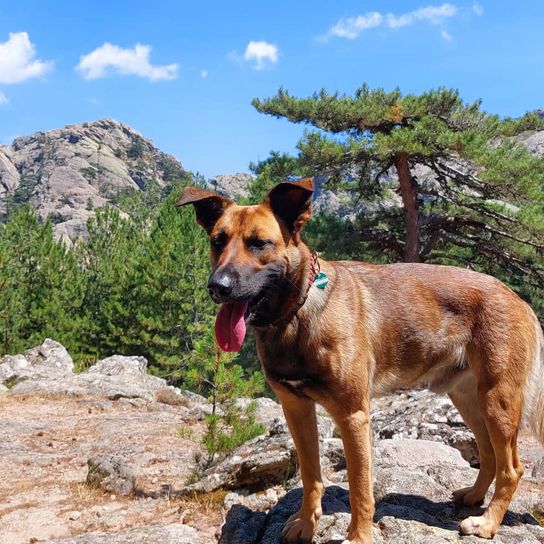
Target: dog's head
253, 250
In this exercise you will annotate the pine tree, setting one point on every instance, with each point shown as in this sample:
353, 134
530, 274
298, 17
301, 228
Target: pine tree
468, 193
107, 258
214, 374
169, 298
41, 286
276, 168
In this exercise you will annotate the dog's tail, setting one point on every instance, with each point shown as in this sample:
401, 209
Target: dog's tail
534, 389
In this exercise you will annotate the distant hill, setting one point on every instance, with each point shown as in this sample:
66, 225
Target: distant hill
69, 172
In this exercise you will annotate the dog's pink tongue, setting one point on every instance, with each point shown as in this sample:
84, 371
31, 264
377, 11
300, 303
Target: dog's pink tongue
230, 326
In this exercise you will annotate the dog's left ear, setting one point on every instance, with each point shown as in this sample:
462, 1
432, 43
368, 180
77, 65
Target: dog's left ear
209, 206
291, 201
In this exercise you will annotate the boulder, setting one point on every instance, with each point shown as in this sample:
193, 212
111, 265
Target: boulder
257, 464
48, 361
176, 533
110, 473
270, 414
424, 415
413, 484
48, 370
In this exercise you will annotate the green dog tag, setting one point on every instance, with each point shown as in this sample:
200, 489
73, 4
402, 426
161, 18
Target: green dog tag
321, 280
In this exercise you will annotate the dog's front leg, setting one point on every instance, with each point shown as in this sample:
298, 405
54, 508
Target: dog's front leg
355, 430
301, 419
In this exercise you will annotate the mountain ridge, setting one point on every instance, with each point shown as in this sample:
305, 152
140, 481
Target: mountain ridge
69, 172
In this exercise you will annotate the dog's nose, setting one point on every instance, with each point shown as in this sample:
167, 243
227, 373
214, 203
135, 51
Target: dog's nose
220, 285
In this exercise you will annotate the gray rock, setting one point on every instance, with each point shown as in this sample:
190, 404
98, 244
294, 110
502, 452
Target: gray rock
413, 484
257, 464
74, 515
260, 501
424, 415
131, 368
152, 534
74, 170
270, 414
48, 370
13, 368
51, 355
332, 453
233, 186
176, 397
110, 473
48, 361
535, 142
243, 526
266, 410
537, 471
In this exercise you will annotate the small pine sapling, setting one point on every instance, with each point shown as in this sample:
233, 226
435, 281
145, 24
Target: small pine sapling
213, 373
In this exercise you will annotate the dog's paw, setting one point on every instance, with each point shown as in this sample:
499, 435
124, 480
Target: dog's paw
469, 496
299, 529
479, 526
354, 538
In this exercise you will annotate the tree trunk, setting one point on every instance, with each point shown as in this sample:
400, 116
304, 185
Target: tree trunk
408, 191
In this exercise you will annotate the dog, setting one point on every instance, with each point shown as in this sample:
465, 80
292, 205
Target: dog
367, 330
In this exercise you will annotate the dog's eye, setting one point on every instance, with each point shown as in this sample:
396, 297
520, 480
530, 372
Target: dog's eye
258, 244
218, 243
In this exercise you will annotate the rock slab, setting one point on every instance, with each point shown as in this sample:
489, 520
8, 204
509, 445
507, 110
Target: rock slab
151, 534
110, 473
413, 484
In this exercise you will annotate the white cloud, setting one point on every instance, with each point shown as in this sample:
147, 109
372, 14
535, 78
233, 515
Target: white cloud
3, 99
203, 74
261, 53
446, 35
17, 60
477, 8
351, 27
110, 58
433, 14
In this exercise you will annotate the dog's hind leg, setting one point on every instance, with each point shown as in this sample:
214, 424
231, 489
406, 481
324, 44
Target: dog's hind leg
500, 399
465, 399
301, 419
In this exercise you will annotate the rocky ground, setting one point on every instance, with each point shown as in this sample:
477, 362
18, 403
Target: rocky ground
104, 457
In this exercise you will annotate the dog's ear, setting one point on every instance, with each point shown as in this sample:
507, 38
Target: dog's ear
291, 201
208, 205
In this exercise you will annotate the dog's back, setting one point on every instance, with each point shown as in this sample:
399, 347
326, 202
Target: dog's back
429, 324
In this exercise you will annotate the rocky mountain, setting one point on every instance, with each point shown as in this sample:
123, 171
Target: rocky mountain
69, 172
232, 185
106, 456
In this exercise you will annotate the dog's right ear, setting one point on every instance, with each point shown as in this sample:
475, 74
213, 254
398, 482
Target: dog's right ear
209, 206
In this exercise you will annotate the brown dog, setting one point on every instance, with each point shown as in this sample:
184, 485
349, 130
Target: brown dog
371, 330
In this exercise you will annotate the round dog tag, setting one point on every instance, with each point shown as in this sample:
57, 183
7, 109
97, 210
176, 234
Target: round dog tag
321, 280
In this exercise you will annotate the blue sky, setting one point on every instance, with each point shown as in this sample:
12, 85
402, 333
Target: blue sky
189, 84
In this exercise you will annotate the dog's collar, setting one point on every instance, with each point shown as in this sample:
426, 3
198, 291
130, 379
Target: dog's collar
316, 277
315, 269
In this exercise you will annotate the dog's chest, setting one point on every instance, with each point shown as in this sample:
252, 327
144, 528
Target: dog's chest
293, 367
